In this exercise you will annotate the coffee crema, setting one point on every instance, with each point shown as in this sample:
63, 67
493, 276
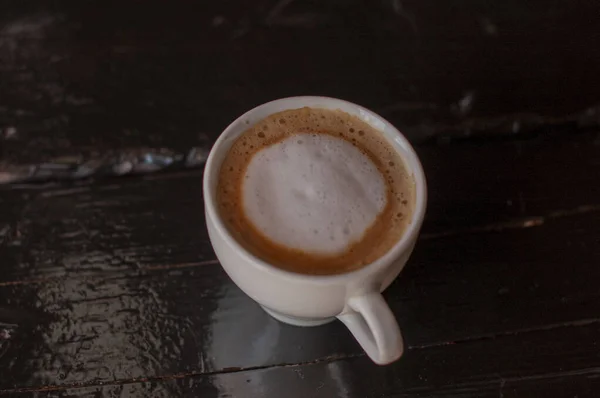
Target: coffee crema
315, 191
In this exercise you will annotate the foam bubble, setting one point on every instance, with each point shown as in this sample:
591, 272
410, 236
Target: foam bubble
313, 192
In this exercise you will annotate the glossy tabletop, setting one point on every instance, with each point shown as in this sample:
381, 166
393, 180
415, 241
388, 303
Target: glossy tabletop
109, 285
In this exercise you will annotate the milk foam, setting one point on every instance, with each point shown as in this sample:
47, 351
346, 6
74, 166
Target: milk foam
313, 192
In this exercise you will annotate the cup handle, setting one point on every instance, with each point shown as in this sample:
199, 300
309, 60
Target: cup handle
374, 327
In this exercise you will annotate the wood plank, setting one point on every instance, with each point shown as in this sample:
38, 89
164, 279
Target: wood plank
87, 87
553, 363
84, 265
131, 223
122, 324
479, 184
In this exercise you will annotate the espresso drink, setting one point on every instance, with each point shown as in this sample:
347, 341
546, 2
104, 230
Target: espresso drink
315, 191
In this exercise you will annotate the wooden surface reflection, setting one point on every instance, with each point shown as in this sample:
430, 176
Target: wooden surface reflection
109, 286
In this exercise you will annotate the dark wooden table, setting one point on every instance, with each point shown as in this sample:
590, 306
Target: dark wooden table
109, 286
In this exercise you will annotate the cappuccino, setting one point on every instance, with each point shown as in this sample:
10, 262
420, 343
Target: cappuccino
315, 191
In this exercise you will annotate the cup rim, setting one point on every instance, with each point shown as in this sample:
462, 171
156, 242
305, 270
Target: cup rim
400, 247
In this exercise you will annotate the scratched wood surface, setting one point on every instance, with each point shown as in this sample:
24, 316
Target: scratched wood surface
114, 282
109, 287
464, 370
115, 87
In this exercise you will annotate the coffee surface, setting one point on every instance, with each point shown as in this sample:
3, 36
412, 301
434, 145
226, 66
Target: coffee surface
315, 191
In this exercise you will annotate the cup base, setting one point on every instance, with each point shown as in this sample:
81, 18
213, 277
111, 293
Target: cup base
294, 321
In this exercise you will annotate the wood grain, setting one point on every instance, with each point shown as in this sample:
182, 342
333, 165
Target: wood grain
115, 281
543, 363
62, 230
87, 87
109, 287
98, 318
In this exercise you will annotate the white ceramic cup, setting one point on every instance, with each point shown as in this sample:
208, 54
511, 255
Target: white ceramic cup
309, 300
